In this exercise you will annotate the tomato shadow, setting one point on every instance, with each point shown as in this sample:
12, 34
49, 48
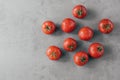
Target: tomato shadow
80, 46
98, 36
92, 63
78, 26
116, 30
58, 31
108, 54
65, 56
91, 14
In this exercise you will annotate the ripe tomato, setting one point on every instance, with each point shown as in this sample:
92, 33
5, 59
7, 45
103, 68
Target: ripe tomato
85, 33
79, 11
53, 53
81, 58
68, 25
96, 50
70, 44
105, 26
48, 27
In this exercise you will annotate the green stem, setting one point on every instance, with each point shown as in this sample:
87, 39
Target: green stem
100, 48
71, 47
107, 26
83, 59
79, 12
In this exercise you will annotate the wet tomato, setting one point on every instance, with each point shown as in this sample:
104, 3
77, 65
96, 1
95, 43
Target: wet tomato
48, 27
96, 50
70, 44
81, 58
79, 11
53, 53
105, 26
68, 25
85, 33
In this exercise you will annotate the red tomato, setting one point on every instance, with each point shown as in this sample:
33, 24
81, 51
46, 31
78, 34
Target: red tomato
48, 27
79, 11
85, 33
81, 58
68, 25
105, 26
70, 44
96, 50
53, 53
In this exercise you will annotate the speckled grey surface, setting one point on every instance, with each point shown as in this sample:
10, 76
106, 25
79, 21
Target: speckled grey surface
23, 45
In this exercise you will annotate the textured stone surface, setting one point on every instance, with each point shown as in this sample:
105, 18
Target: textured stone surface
23, 45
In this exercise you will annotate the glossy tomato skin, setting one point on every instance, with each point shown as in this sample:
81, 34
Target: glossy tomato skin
48, 27
96, 50
105, 26
70, 44
54, 53
81, 58
79, 11
68, 25
85, 33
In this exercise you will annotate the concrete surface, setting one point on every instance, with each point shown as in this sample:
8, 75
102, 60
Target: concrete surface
23, 45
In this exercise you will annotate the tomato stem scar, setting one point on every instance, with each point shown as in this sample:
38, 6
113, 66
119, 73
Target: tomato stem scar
54, 54
48, 27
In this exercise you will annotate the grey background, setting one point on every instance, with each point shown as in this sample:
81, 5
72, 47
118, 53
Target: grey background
23, 45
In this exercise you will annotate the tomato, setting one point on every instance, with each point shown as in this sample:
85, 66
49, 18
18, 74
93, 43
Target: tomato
96, 50
79, 11
85, 33
53, 53
106, 26
70, 44
68, 25
48, 27
81, 58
